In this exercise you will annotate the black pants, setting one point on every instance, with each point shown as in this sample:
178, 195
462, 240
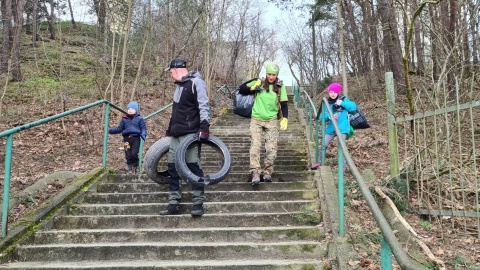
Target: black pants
131, 146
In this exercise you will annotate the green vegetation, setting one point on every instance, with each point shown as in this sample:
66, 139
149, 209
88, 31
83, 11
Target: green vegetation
426, 225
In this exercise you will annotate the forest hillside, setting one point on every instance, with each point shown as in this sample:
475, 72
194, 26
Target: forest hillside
67, 72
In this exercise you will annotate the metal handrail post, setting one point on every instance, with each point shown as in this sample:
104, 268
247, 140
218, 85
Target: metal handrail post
140, 155
341, 192
324, 148
6, 184
216, 100
385, 255
316, 140
105, 135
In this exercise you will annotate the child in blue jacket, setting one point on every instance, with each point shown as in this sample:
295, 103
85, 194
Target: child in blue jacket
340, 106
132, 128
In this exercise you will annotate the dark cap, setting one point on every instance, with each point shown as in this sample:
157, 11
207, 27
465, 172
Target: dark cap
177, 63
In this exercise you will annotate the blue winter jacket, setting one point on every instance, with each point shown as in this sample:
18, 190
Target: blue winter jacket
135, 127
342, 111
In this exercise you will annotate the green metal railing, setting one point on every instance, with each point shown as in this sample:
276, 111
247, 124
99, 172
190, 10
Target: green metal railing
9, 145
227, 94
389, 242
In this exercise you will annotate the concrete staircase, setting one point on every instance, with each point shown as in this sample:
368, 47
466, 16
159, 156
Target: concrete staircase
270, 226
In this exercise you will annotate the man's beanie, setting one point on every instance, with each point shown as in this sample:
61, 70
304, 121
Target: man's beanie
335, 87
177, 63
272, 68
133, 105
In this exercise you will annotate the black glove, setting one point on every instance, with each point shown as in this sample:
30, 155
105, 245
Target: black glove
204, 131
203, 136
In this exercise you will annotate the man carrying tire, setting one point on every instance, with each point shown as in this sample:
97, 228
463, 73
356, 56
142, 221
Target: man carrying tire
190, 114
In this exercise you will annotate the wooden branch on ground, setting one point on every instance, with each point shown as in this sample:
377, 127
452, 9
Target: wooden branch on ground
425, 248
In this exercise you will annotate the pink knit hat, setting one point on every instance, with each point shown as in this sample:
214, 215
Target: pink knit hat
335, 87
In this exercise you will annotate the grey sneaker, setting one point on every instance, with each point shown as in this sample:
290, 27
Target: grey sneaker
129, 169
197, 210
255, 178
172, 209
267, 177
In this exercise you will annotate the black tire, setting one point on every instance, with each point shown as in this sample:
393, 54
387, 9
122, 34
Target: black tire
211, 179
152, 157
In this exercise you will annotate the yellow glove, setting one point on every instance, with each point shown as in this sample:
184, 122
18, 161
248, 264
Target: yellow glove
284, 124
257, 83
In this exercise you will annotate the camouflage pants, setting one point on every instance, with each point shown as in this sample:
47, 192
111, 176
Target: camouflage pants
270, 130
192, 159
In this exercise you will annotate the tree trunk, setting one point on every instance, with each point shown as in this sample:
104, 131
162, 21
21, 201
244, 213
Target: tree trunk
368, 50
341, 47
451, 37
101, 15
16, 71
314, 58
375, 44
435, 40
71, 14
50, 18
419, 52
474, 21
142, 57
126, 32
237, 46
6, 34
393, 50
35, 27
356, 46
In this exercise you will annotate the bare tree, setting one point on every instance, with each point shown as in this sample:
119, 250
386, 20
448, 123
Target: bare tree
16, 71
50, 17
71, 15
147, 37
7, 35
392, 42
35, 27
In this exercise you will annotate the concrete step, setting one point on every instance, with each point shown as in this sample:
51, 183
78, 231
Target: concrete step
150, 186
245, 264
219, 207
212, 196
240, 177
283, 166
262, 234
186, 221
173, 251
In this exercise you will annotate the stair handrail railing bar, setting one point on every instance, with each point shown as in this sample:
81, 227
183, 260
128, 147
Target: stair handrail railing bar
9, 145
389, 243
309, 117
140, 151
296, 94
226, 94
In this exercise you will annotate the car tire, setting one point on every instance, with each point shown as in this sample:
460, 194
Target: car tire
152, 157
211, 179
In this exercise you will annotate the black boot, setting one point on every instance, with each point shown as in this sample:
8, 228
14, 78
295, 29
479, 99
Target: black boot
197, 210
172, 209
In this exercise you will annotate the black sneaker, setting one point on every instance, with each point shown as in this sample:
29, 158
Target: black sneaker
197, 210
172, 209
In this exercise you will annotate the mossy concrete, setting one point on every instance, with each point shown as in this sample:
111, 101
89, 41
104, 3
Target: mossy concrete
43, 215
